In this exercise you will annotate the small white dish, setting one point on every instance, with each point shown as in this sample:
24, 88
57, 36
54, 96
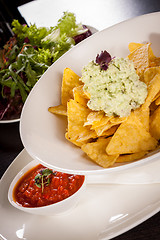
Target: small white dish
61, 207
43, 134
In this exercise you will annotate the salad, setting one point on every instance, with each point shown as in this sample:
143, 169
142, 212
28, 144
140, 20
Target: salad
28, 54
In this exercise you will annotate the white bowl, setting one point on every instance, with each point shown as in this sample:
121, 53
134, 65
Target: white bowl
10, 121
61, 207
42, 133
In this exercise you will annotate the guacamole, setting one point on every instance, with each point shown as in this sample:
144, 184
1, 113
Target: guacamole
117, 90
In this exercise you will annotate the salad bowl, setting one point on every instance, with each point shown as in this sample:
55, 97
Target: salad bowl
28, 54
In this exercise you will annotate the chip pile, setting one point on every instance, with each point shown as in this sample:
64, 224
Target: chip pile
109, 140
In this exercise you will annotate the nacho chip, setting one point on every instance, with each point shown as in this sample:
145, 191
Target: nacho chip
70, 80
117, 120
77, 115
131, 157
100, 130
94, 118
79, 95
131, 137
152, 108
155, 124
153, 90
78, 144
155, 62
150, 73
157, 101
105, 128
143, 116
60, 110
110, 122
101, 123
140, 58
156, 97
110, 131
133, 46
97, 152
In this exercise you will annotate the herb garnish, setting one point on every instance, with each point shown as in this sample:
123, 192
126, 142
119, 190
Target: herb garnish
103, 59
42, 179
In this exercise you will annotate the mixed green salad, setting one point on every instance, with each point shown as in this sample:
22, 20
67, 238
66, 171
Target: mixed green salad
28, 54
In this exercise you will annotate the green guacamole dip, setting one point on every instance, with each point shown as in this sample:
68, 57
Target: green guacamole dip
116, 90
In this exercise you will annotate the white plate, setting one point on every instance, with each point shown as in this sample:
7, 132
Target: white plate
96, 217
42, 133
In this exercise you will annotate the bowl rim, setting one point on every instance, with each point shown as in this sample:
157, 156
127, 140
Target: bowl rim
10, 121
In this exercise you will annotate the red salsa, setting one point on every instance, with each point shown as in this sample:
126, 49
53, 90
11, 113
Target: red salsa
41, 186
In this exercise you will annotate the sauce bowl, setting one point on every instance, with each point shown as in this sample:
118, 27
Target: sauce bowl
63, 206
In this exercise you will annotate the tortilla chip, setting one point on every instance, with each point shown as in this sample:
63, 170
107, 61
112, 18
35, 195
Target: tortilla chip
117, 120
97, 152
110, 122
155, 124
101, 123
110, 131
131, 137
140, 57
143, 116
155, 62
77, 115
130, 157
60, 110
156, 97
153, 90
150, 73
152, 108
94, 118
133, 46
70, 80
78, 144
100, 130
80, 96
157, 101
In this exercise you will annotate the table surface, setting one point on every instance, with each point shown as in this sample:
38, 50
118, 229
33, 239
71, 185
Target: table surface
99, 14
